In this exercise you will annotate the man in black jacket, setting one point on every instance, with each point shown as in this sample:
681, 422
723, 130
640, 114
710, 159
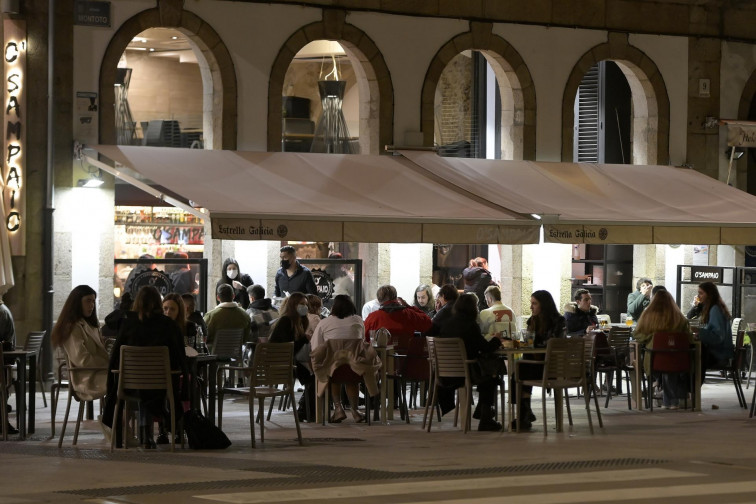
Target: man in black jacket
292, 276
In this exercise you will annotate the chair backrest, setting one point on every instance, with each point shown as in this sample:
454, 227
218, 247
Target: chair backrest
228, 344
738, 324
588, 346
740, 351
273, 364
34, 341
671, 353
450, 356
144, 368
565, 362
414, 366
3, 383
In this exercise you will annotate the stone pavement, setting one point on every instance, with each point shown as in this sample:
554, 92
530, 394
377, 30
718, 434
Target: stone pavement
666, 456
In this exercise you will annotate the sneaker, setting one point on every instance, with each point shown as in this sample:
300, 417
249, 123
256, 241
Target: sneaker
489, 425
672, 407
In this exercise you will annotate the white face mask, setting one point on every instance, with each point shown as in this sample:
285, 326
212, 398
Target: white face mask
232, 273
302, 310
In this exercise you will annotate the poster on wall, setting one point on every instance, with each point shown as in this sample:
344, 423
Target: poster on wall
86, 117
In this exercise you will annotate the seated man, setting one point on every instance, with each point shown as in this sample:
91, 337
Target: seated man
227, 315
580, 315
445, 299
638, 301
498, 318
261, 312
401, 319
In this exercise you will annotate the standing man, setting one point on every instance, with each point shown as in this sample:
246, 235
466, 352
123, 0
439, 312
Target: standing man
477, 279
292, 276
638, 300
227, 315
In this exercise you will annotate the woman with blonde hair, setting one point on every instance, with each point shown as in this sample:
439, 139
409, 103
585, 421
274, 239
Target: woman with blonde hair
663, 315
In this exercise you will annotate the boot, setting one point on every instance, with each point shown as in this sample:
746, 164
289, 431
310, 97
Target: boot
524, 415
145, 433
488, 421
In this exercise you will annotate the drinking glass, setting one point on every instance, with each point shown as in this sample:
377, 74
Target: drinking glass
629, 320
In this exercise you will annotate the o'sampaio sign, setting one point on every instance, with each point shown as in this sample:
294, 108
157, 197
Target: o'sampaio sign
14, 133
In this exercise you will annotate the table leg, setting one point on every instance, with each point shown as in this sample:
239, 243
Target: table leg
697, 383
32, 392
390, 388
212, 385
318, 404
194, 392
21, 396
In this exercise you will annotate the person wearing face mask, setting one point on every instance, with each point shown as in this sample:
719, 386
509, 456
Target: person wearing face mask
293, 277
227, 315
232, 275
291, 326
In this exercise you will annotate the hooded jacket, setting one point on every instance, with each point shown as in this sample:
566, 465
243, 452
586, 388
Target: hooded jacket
578, 320
240, 295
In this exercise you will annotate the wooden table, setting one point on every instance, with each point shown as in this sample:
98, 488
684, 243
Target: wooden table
510, 354
635, 349
21, 357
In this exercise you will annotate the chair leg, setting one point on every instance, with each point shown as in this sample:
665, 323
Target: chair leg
567, 401
53, 406
116, 423
425, 414
273, 402
4, 415
433, 403
41, 384
220, 408
629, 389
296, 417
456, 409
173, 426
543, 406
252, 417
68, 409
79, 418
261, 404
609, 380
588, 408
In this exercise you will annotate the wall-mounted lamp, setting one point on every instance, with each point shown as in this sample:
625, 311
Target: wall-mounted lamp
95, 180
738, 153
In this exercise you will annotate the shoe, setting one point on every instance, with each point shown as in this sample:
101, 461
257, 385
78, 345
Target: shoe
11, 429
162, 438
526, 426
673, 407
489, 425
358, 417
338, 415
476, 413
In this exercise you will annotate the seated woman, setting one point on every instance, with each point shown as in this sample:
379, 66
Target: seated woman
715, 332
291, 326
663, 315
77, 331
545, 322
343, 323
149, 327
463, 324
580, 315
424, 300
314, 306
174, 309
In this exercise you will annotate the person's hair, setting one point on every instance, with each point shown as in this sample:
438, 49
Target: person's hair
181, 317
547, 317
449, 292
314, 304
188, 298
579, 294
256, 291
289, 310
493, 292
126, 301
385, 293
288, 249
343, 307
466, 306
661, 314
225, 293
148, 303
72, 313
429, 292
641, 281
712, 298
224, 276
657, 288
481, 262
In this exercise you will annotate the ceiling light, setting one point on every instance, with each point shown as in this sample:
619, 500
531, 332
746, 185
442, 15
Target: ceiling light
152, 49
174, 37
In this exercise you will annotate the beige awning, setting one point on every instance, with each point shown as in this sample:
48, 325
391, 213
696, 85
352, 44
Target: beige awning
319, 197
592, 203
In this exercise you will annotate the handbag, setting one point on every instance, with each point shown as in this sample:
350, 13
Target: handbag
202, 433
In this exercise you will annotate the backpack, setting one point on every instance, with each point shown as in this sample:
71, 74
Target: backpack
202, 433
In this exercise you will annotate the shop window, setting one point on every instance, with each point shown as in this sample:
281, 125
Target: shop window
324, 108
159, 92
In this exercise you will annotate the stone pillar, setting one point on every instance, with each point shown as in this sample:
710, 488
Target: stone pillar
649, 262
704, 63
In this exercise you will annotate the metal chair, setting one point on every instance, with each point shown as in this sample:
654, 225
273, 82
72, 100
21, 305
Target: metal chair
58, 383
4, 395
563, 368
143, 368
273, 365
672, 353
411, 366
72, 372
452, 369
34, 344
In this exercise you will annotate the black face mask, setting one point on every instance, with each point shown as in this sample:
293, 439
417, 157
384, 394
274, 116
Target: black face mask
285, 264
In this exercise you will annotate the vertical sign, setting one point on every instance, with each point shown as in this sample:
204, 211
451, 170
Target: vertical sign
14, 133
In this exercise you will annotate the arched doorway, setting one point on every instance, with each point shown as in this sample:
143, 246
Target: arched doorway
474, 94
216, 70
376, 95
649, 123
747, 112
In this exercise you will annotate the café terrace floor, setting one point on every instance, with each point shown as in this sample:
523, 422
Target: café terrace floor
665, 456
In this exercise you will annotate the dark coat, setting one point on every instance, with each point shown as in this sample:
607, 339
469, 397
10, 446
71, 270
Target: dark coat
477, 280
469, 331
300, 281
442, 316
240, 295
578, 320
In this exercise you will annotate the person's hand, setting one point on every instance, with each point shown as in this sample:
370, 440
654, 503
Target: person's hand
402, 301
589, 329
696, 301
646, 290
237, 285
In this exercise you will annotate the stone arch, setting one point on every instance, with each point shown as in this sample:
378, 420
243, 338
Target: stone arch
747, 97
373, 78
650, 133
216, 68
508, 66
745, 166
